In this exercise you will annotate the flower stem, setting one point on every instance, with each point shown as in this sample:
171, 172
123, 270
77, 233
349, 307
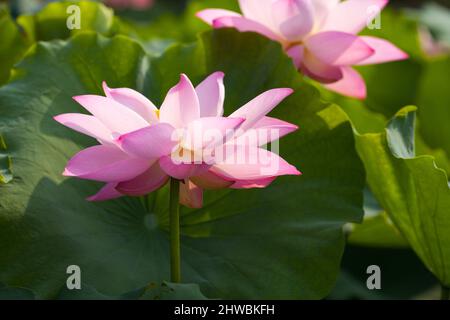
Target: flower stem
174, 209
445, 293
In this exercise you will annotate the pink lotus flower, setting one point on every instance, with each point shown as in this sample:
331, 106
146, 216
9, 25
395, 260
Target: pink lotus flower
319, 35
142, 146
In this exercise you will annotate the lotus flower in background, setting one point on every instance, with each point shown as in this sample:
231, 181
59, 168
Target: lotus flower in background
430, 46
319, 35
142, 146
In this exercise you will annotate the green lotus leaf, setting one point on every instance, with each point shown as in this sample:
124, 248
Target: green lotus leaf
14, 42
285, 241
15, 293
412, 189
433, 101
153, 291
173, 291
5, 163
377, 231
54, 20
48, 24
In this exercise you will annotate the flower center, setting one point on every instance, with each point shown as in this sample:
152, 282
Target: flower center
293, 44
186, 156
